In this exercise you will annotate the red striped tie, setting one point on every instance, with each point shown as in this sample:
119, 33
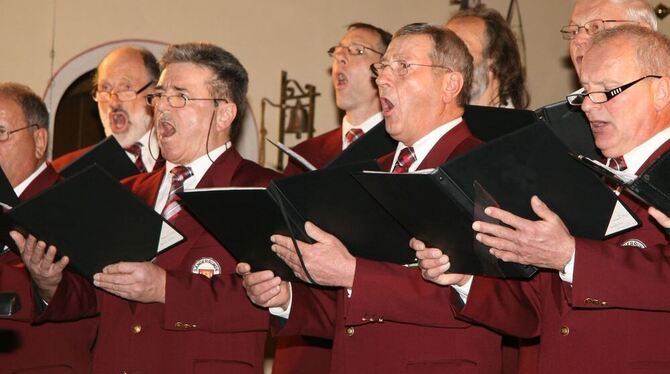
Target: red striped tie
353, 135
136, 150
179, 175
405, 159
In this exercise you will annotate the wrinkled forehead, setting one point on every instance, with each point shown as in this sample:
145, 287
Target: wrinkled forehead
123, 68
409, 47
613, 61
185, 76
586, 10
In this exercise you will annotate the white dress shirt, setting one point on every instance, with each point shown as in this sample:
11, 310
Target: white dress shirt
199, 168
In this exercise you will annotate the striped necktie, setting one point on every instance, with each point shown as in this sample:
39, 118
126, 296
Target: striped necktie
405, 160
172, 206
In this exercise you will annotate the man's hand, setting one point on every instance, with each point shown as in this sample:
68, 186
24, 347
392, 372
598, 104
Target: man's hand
545, 243
434, 265
328, 260
137, 281
660, 217
46, 273
263, 288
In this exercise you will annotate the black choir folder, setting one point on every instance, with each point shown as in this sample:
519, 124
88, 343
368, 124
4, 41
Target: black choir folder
7, 195
243, 219
95, 221
652, 186
440, 205
570, 125
108, 155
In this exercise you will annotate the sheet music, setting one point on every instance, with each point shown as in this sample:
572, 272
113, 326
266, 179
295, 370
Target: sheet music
292, 154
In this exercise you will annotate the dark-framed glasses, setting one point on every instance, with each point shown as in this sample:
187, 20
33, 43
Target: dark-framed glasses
4, 133
127, 95
592, 27
352, 50
400, 67
177, 100
599, 97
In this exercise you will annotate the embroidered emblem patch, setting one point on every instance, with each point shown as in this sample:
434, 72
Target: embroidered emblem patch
637, 243
206, 266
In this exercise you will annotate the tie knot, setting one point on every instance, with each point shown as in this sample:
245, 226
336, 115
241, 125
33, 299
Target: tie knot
617, 163
135, 149
406, 158
353, 135
181, 173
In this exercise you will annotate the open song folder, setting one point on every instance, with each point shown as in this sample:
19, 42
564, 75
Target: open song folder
243, 219
107, 154
93, 220
438, 206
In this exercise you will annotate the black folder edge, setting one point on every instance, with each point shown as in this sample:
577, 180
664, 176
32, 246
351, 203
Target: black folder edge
284, 204
7, 194
630, 187
18, 226
122, 165
483, 200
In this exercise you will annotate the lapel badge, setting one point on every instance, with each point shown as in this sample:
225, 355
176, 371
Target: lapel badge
206, 266
637, 243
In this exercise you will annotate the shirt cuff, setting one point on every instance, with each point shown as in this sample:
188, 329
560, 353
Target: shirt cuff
464, 290
279, 311
567, 273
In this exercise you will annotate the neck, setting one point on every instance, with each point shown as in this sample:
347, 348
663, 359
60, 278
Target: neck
490, 97
359, 115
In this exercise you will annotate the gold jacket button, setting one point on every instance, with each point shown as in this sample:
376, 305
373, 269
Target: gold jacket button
136, 328
178, 325
565, 330
350, 330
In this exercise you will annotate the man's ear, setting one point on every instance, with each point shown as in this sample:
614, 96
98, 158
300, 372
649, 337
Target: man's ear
452, 86
41, 139
225, 114
661, 93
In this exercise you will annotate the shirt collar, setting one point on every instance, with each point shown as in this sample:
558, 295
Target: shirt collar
423, 146
365, 126
199, 166
639, 155
18, 190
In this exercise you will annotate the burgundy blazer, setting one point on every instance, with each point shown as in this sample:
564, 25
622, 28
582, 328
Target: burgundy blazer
319, 150
207, 325
30, 348
615, 318
395, 322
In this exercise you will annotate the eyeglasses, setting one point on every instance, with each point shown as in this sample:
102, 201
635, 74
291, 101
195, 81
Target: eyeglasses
599, 97
399, 67
105, 96
592, 27
4, 133
352, 50
176, 100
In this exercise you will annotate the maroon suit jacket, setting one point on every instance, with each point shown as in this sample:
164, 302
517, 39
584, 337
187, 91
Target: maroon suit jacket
206, 325
48, 347
395, 322
319, 150
615, 318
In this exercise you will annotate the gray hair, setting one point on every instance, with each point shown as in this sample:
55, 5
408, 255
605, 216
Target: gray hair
448, 50
33, 108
